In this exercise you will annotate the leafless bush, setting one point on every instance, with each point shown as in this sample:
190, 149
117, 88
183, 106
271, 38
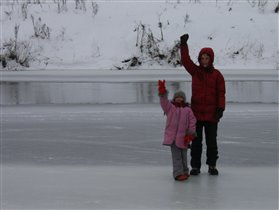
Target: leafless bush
173, 55
258, 51
8, 14
95, 8
276, 10
24, 12
146, 41
15, 53
151, 50
80, 4
62, 6
247, 50
160, 25
41, 30
17, 7
186, 19
261, 4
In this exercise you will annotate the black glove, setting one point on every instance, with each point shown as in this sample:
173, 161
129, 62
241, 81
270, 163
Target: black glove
184, 38
219, 113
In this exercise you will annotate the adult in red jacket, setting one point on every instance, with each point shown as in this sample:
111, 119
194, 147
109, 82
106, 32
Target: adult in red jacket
207, 103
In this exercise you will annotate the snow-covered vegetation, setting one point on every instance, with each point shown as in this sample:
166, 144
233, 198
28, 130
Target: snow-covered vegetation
87, 34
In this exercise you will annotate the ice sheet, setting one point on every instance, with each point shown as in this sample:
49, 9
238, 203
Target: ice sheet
111, 157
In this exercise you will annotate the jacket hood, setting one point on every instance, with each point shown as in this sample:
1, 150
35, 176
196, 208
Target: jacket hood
209, 51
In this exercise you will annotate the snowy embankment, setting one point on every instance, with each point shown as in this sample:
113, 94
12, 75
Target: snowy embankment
102, 34
130, 76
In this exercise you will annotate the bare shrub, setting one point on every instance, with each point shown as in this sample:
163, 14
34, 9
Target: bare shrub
24, 11
15, 52
173, 54
41, 30
261, 4
186, 19
151, 50
247, 50
17, 55
80, 4
276, 10
62, 6
95, 8
18, 51
146, 41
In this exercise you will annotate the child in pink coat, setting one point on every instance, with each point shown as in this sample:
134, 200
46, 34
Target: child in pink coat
179, 131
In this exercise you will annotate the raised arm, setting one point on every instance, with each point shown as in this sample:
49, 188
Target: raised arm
186, 61
163, 93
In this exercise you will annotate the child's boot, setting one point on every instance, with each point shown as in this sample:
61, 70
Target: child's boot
182, 177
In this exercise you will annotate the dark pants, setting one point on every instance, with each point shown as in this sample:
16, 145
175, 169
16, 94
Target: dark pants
210, 130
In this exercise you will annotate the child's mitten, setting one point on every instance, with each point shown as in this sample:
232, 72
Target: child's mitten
188, 138
161, 87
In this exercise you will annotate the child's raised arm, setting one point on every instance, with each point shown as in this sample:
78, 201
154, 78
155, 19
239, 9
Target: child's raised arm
163, 93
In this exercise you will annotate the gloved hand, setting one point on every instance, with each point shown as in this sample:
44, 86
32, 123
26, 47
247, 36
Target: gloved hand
184, 38
162, 87
219, 113
188, 138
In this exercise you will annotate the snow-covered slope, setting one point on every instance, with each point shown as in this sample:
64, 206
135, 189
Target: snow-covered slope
243, 35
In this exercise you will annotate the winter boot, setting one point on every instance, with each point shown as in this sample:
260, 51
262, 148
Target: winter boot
182, 177
212, 170
195, 171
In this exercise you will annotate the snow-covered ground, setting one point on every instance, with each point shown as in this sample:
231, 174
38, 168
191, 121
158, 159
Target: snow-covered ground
242, 33
110, 157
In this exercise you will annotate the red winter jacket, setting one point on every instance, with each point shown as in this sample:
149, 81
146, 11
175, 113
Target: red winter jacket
208, 86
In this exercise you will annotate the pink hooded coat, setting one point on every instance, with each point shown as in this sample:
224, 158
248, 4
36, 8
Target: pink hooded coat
180, 121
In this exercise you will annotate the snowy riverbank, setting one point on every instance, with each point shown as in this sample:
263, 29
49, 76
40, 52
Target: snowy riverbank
102, 34
130, 75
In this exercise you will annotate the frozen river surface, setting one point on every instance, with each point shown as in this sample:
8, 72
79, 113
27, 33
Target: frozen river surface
111, 157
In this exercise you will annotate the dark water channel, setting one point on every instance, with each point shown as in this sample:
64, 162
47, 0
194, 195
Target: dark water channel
15, 93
